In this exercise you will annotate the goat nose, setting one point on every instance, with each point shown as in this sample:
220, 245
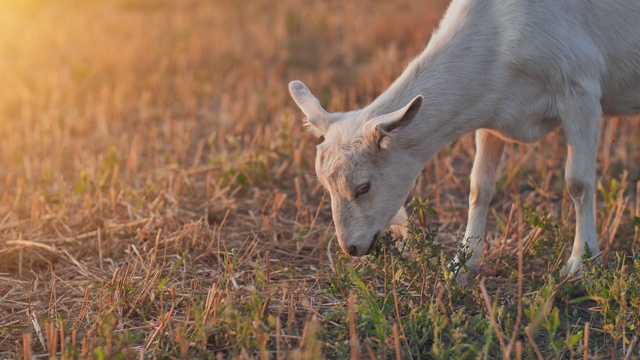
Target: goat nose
352, 250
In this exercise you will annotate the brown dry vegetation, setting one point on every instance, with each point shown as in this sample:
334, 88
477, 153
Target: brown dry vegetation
157, 195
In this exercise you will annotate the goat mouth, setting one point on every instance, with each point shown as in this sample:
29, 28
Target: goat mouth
374, 242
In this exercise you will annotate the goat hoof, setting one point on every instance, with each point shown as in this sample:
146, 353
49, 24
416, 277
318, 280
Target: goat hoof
464, 277
571, 269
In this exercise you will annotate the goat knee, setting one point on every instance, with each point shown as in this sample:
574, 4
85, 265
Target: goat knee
480, 194
578, 188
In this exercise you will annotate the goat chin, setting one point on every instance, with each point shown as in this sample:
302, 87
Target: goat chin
398, 223
399, 231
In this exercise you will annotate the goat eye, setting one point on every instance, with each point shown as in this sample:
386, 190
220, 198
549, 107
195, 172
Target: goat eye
362, 189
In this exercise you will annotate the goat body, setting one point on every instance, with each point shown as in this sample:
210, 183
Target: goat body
511, 70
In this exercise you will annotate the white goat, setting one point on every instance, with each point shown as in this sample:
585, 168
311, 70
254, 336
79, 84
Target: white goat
512, 70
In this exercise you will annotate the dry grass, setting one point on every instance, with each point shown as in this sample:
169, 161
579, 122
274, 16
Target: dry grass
157, 195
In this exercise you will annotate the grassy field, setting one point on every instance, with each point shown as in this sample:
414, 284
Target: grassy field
158, 200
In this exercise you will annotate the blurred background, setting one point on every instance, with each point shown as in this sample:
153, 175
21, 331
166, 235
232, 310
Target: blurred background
140, 82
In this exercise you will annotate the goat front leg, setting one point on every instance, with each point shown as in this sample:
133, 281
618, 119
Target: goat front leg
581, 120
489, 149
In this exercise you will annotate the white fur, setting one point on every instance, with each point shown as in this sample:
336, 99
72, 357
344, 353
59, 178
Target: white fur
510, 70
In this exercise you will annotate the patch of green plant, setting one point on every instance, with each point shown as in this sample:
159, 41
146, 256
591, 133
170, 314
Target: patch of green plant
409, 286
615, 288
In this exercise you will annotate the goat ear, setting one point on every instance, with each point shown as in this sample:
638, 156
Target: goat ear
318, 120
384, 127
